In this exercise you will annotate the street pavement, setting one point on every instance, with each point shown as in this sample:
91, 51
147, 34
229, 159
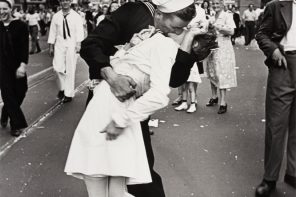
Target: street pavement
201, 154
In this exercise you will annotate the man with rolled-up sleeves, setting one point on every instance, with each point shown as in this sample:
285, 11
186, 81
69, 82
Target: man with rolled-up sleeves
65, 36
276, 38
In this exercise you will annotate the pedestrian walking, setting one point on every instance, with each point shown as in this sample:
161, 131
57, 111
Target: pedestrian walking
65, 36
276, 38
33, 19
221, 62
130, 18
42, 22
14, 52
149, 64
249, 18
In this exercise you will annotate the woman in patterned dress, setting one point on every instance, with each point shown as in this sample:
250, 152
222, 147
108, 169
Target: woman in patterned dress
221, 62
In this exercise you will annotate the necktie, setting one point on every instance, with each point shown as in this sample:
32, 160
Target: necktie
65, 25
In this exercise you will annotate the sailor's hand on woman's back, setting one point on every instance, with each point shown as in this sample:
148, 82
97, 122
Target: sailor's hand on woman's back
123, 87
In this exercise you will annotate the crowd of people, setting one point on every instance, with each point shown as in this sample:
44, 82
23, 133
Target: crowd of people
136, 53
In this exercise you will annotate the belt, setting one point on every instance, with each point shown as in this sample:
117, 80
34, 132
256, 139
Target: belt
290, 52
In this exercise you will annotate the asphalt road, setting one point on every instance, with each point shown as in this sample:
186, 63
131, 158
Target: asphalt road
201, 154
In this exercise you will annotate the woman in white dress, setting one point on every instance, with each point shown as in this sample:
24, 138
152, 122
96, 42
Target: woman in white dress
107, 149
221, 62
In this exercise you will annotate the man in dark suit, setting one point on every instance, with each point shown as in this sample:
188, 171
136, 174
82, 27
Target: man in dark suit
276, 38
116, 29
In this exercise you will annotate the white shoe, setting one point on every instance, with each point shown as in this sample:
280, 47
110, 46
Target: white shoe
191, 109
181, 107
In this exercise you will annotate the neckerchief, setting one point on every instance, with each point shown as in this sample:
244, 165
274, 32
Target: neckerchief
65, 25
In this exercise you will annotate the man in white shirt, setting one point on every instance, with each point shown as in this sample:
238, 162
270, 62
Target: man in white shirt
33, 21
276, 38
65, 35
249, 20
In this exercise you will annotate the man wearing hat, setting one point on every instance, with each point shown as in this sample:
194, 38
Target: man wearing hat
118, 29
65, 35
14, 55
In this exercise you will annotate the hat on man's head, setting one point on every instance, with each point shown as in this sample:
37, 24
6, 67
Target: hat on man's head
170, 6
10, 2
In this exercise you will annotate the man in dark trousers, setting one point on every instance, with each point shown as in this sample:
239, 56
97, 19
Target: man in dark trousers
276, 38
249, 21
99, 46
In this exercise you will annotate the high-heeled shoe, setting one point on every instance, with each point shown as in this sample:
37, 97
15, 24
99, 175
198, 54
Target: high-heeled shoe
212, 102
222, 109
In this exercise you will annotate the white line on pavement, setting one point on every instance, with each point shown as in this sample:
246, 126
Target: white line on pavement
6, 147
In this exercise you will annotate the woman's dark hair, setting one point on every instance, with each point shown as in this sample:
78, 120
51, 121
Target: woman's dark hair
203, 4
207, 10
186, 14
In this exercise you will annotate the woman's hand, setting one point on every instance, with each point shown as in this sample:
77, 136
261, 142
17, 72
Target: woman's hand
77, 47
21, 71
196, 29
112, 132
228, 31
189, 34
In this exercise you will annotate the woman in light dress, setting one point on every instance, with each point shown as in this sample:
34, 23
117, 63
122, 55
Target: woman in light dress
107, 149
221, 62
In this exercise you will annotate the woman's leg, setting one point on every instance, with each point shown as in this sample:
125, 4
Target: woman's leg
214, 100
223, 104
195, 89
214, 91
183, 105
96, 187
178, 100
223, 97
117, 187
191, 90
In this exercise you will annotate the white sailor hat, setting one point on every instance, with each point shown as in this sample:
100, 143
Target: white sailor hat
170, 6
9, 2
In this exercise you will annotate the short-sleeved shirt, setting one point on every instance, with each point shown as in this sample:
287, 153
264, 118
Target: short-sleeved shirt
249, 15
33, 19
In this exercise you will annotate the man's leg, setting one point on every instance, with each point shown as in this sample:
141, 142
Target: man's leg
291, 146
71, 60
4, 116
154, 189
279, 98
252, 31
13, 91
247, 33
